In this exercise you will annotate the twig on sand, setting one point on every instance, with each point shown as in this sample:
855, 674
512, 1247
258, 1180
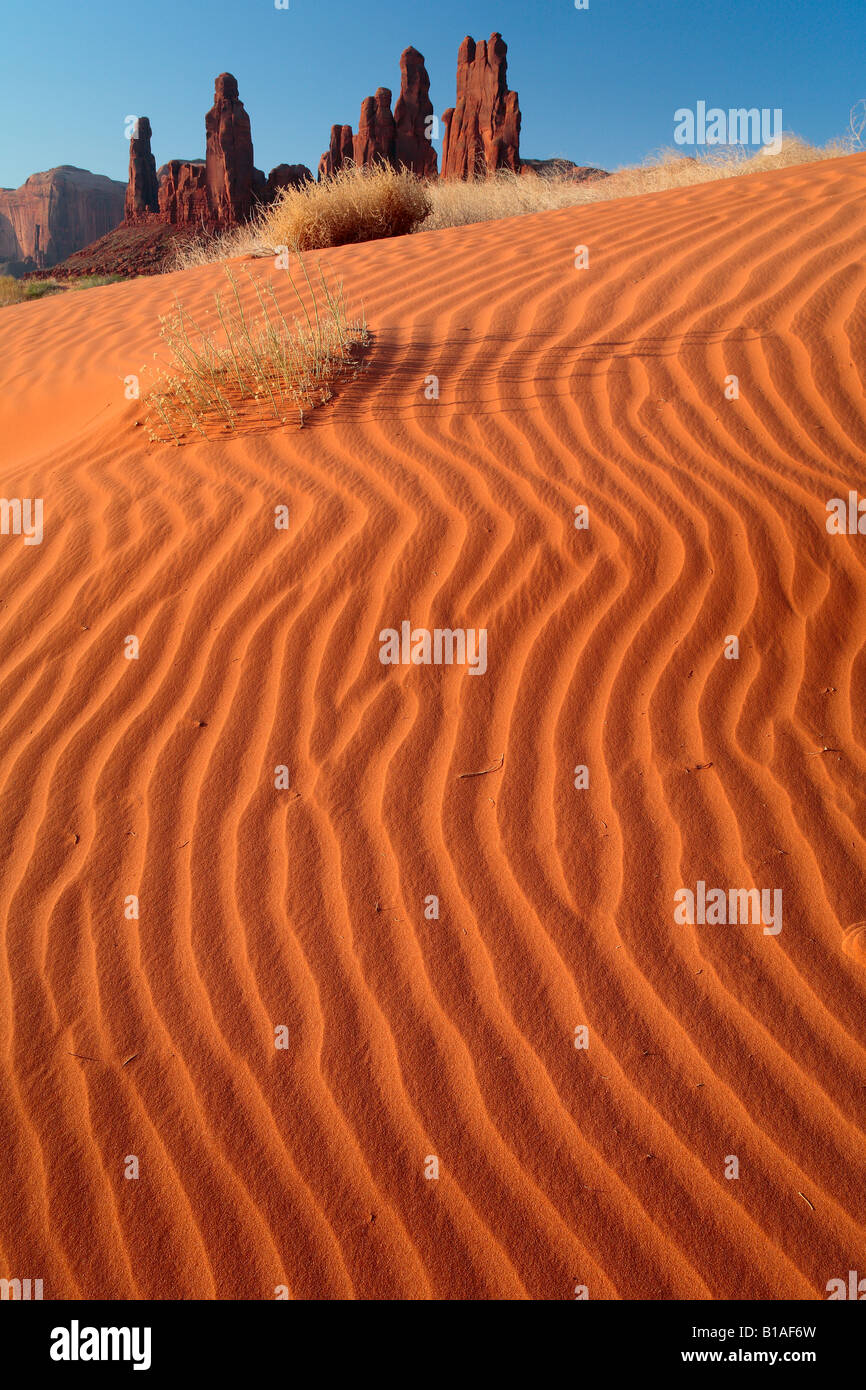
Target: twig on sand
130, 1059
485, 771
805, 1199
82, 1057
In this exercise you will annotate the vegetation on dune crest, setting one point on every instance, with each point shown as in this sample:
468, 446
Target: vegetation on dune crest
353, 205
91, 282
367, 204
253, 368
505, 194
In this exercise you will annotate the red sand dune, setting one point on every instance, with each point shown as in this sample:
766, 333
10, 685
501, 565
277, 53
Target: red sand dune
454, 1037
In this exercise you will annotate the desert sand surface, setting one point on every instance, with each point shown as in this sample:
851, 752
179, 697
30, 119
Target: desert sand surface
411, 1038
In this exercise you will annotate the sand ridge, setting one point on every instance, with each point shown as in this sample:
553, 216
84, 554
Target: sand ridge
412, 1037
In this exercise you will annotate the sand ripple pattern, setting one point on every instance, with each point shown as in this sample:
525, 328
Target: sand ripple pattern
410, 1037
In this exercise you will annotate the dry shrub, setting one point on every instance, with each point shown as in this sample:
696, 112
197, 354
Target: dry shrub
257, 367
353, 205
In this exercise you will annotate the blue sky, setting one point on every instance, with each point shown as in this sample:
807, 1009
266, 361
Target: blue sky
599, 86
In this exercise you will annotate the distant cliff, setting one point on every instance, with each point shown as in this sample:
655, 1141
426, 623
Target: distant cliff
56, 213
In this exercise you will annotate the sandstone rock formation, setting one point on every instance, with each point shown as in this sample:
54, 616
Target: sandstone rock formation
133, 226
55, 213
411, 116
216, 192
340, 151
260, 186
147, 246
142, 191
286, 176
561, 168
482, 132
183, 193
376, 140
399, 139
229, 156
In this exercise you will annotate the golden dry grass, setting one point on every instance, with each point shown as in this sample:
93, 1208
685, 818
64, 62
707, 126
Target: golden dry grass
456, 203
354, 205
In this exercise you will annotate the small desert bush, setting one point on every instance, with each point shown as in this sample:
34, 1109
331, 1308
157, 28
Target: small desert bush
256, 366
353, 205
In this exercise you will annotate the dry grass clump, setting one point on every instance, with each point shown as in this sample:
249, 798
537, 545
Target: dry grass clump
211, 247
255, 368
456, 203
353, 205
93, 282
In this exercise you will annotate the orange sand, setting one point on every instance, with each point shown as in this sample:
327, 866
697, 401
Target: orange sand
411, 1037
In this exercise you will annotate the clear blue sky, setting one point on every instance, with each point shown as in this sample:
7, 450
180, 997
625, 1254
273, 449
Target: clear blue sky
599, 86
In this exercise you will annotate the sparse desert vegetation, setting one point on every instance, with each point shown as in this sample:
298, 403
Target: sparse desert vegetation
13, 291
457, 203
253, 368
368, 204
353, 205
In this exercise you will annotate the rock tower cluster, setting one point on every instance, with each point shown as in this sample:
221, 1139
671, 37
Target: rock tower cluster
481, 134
482, 131
217, 192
